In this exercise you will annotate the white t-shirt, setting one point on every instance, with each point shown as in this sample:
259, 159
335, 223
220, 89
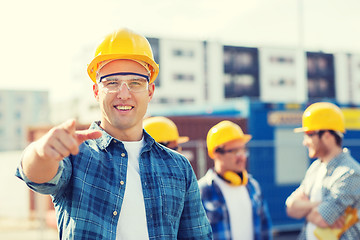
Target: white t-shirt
315, 196
132, 222
239, 207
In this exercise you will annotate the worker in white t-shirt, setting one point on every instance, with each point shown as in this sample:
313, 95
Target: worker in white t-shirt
231, 197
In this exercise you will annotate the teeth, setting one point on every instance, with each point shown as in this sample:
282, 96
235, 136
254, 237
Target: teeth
123, 107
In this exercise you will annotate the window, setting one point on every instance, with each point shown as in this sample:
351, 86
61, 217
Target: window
240, 85
164, 100
20, 100
183, 53
17, 115
19, 131
320, 75
184, 77
241, 68
282, 82
281, 60
186, 100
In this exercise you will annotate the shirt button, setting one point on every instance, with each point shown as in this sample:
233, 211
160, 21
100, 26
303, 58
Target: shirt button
115, 141
122, 182
114, 213
123, 154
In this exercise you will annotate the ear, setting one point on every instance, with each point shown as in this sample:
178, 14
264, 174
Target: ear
96, 91
327, 138
327, 135
151, 91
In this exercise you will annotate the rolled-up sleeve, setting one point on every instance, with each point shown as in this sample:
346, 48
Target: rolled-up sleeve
51, 187
343, 193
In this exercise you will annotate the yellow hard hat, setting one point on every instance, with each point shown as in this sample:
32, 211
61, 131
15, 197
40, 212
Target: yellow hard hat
124, 44
163, 129
223, 132
322, 116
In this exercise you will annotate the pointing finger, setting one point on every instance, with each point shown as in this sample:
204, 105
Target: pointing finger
84, 135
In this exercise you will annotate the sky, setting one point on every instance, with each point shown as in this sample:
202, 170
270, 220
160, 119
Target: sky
40, 39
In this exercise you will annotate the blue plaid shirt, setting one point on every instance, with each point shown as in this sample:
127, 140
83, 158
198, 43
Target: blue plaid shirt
218, 215
89, 188
340, 189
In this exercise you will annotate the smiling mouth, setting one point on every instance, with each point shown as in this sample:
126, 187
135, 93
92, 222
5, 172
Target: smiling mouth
124, 108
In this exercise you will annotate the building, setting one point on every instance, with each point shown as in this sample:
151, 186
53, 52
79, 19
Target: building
20, 109
199, 74
206, 73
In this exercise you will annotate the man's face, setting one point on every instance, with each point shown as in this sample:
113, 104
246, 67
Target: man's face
316, 147
122, 110
234, 157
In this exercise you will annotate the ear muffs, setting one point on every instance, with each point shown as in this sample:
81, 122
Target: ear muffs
236, 179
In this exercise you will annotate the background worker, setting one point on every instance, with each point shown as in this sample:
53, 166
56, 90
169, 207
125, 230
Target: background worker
232, 198
114, 181
165, 132
331, 183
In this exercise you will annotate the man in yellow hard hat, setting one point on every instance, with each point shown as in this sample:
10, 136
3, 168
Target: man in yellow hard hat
232, 198
331, 183
165, 132
114, 181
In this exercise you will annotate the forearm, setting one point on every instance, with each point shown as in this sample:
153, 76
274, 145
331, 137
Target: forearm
300, 208
37, 169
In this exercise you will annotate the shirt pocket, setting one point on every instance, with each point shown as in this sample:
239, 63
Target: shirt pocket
173, 190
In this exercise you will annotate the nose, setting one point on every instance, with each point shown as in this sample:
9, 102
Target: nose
305, 141
240, 155
242, 152
124, 91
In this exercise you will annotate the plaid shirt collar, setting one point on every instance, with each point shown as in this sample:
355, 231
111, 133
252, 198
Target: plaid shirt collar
336, 161
104, 141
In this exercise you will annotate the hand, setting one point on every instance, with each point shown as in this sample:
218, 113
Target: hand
63, 140
302, 196
339, 223
315, 218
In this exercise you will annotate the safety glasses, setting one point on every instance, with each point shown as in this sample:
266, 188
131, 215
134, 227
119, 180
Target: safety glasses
134, 82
